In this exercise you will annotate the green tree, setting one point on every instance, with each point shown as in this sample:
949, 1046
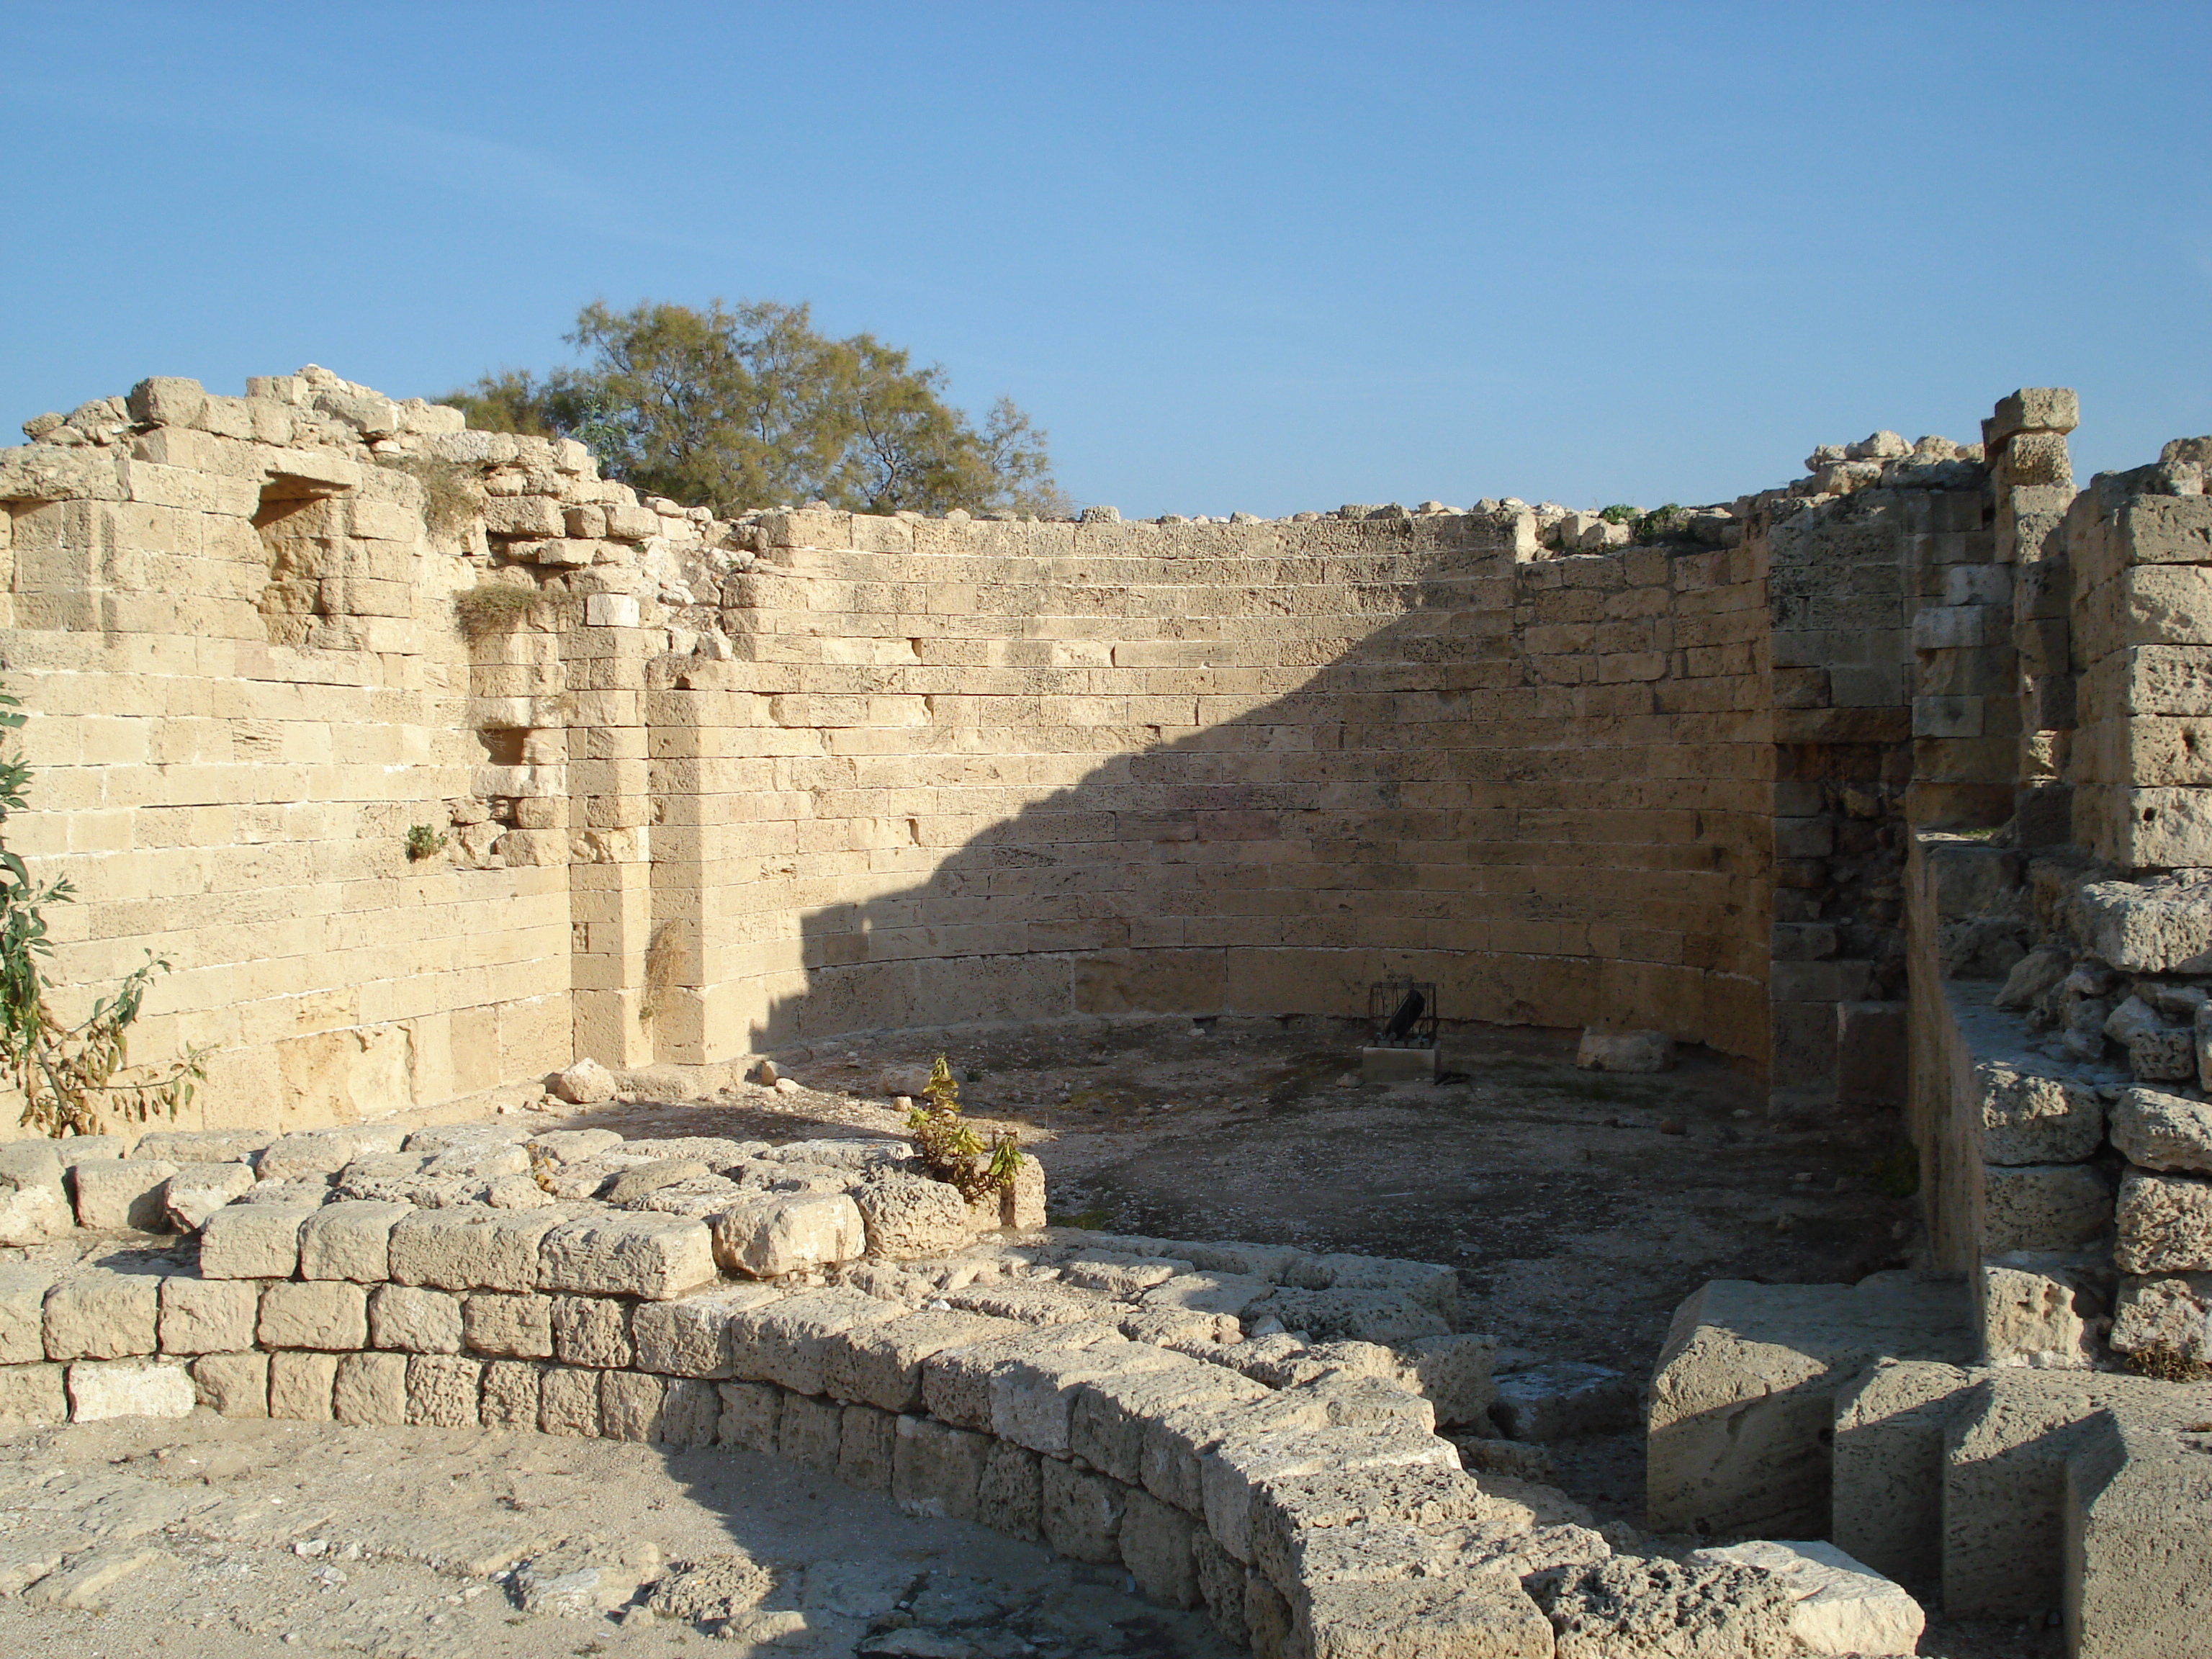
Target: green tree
748, 405
75, 1078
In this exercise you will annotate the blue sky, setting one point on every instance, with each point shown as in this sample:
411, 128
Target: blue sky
1264, 257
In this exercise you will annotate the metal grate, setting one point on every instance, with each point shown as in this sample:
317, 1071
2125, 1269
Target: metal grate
1401, 1013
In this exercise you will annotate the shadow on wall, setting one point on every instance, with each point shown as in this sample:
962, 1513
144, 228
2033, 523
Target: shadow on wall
1534, 786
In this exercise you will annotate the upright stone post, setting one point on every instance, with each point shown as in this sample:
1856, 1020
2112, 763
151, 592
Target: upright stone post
609, 873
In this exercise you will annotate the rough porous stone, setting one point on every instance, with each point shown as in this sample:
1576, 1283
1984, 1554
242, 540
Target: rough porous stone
770, 1237
1634, 1605
350, 1239
253, 1241
1839, 1606
208, 1316
129, 1387
2159, 1130
125, 1193
196, 1191
103, 1313
2165, 1223
911, 1215
1624, 1051
655, 1257
476, 1249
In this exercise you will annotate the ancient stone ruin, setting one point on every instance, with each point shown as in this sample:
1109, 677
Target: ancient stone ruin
438, 765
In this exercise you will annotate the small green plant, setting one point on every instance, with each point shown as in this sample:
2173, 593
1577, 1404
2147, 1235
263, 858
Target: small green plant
1618, 512
423, 842
2169, 1365
452, 497
492, 608
1659, 524
949, 1148
75, 1078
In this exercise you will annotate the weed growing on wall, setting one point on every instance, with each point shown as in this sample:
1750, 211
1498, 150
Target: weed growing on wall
423, 842
75, 1080
950, 1150
452, 498
495, 608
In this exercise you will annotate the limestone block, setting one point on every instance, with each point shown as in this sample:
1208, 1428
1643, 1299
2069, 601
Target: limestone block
751, 1412
2165, 1223
1010, 1497
770, 1237
788, 1341
32, 1397
536, 516
881, 1365
1033, 1397
2005, 1456
350, 1239
2032, 1117
1887, 1493
1080, 1513
1649, 1604
125, 1193
807, 1431
371, 1388
1478, 1613
2145, 930
22, 1313
1288, 1512
407, 1319
2159, 1130
1838, 1605
2043, 1206
1155, 1542
509, 1326
33, 1205
1235, 1470
630, 1405
656, 1257
196, 1191
207, 1315
1106, 1427
956, 1381
73, 1150
471, 1249
568, 1401
252, 1241
1211, 1292
102, 1313
1744, 1395
688, 1337
2137, 1571
2027, 1304
1177, 1443
592, 1330
165, 400
511, 1393
587, 1083
129, 1387
911, 1215
443, 1390
1563, 1400
866, 1444
937, 1470
2170, 1314
301, 1386
311, 1152
1221, 1586
1624, 1051
327, 1314
233, 1384
184, 1147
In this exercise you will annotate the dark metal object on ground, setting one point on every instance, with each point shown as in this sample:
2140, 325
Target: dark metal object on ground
1402, 1013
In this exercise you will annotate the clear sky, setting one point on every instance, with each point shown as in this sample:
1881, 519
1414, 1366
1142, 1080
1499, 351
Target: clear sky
1265, 258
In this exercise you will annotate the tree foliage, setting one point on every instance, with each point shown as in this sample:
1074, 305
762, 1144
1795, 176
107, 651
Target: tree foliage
75, 1078
748, 405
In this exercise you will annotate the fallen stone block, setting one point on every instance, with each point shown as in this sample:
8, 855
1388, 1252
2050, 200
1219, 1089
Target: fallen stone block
587, 1083
1647, 1604
408, 1319
124, 1192
770, 1237
252, 1241
32, 1397
568, 1401
1743, 1397
866, 1443
371, 1388
2165, 1223
207, 1315
327, 1314
2137, 1542
592, 1330
937, 1470
788, 1341
443, 1390
1838, 1605
233, 1384
1887, 1495
1624, 1051
689, 1337
1563, 1400
881, 1365
654, 1257
911, 1215
103, 1313
350, 1239
196, 1191
474, 1248
751, 1412
301, 1386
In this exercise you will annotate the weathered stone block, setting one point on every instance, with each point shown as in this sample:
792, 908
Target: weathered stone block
1837, 1604
2028, 1117
129, 1387
789, 1341
568, 1401
208, 1316
2159, 1130
2170, 1314
350, 1239
808, 1432
772, 1236
656, 1257
99, 1313
32, 1397
1233, 1474
324, 1152
689, 1337
2047, 1206
370, 1388
1155, 1542
252, 1241
881, 1365
1009, 1499
866, 1441
1080, 1513
592, 1330
301, 1386
1177, 1441
443, 1390
1474, 1614
2165, 1223
630, 1405
956, 1381
196, 1191
327, 1314
751, 1412
507, 1327
1033, 1398
937, 1470
410, 1319
2137, 1542
510, 1399
233, 1384
22, 1313
911, 1215
1107, 1426
472, 1248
